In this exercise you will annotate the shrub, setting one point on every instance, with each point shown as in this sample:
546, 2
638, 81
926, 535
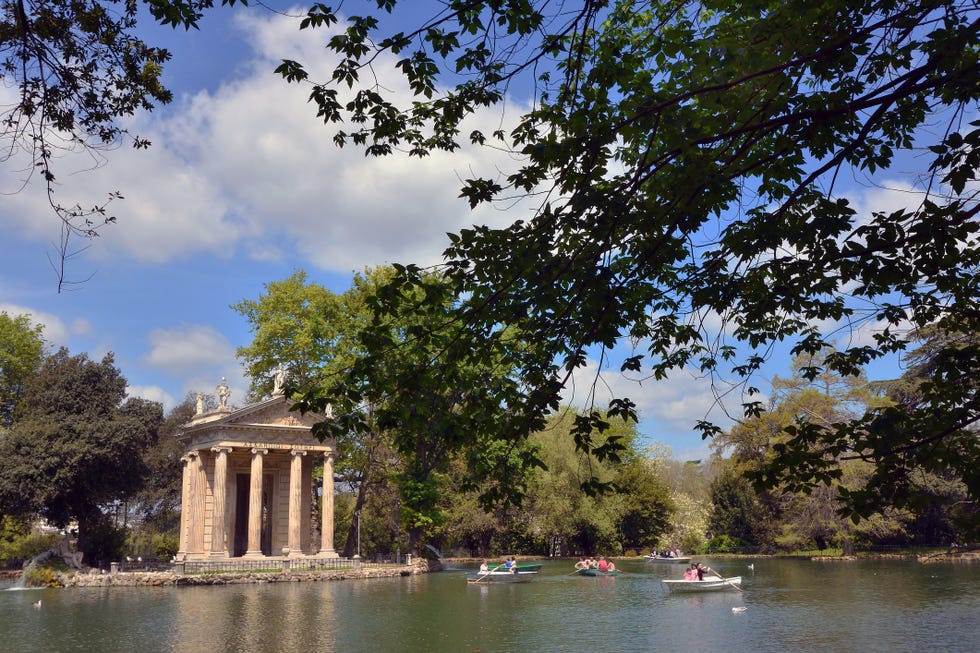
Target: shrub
18, 542
43, 576
725, 544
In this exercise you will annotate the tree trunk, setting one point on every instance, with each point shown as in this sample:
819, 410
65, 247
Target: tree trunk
350, 546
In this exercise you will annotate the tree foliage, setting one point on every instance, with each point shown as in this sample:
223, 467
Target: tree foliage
157, 504
75, 446
933, 508
736, 510
689, 157
296, 323
21, 353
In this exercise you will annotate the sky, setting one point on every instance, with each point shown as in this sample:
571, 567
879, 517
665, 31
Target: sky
242, 187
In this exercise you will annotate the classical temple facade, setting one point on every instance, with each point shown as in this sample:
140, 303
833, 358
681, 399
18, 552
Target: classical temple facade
248, 483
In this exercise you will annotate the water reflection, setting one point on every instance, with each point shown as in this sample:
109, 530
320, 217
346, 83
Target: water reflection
790, 605
254, 618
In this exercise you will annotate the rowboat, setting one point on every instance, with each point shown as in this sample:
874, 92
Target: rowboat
596, 572
502, 577
666, 559
527, 566
708, 584
530, 566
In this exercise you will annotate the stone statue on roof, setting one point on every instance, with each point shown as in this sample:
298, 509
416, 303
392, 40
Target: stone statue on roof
223, 393
278, 381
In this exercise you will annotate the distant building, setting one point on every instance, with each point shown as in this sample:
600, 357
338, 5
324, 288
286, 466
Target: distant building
248, 483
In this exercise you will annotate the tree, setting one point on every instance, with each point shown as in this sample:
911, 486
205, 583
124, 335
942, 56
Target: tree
21, 353
157, 504
76, 447
424, 413
690, 494
296, 323
688, 157
313, 333
807, 515
736, 511
930, 481
645, 517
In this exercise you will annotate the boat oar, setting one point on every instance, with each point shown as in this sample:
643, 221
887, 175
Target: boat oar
725, 580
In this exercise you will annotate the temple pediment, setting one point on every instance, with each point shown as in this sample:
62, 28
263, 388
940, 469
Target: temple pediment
265, 423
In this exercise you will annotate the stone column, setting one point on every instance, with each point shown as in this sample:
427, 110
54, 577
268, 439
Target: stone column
255, 505
185, 509
295, 542
326, 513
219, 547
199, 497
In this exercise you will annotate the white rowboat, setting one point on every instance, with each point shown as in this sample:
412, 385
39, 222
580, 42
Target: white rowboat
501, 577
665, 559
709, 584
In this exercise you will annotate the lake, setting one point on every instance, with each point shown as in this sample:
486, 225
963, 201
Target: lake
795, 606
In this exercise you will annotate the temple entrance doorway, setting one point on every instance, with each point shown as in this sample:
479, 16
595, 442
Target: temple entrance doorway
241, 515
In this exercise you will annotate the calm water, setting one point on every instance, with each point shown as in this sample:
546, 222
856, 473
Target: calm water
791, 605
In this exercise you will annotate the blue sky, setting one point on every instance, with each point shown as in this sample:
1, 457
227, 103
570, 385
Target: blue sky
242, 187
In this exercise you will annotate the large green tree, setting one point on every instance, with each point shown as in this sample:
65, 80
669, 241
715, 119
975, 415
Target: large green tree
931, 480
425, 411
690, 158
314, 334
76, 446
21, 353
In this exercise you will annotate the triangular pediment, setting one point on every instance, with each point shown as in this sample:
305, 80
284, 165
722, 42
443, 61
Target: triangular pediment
272, 412
268, 421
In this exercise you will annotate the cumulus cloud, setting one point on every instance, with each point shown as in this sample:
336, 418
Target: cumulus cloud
249, 170
152, 393
200, 356
187, 348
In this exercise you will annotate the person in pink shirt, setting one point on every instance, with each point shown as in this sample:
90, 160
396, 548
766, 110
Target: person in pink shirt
603, 565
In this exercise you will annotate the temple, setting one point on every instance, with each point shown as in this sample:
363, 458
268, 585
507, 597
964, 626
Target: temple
248, 482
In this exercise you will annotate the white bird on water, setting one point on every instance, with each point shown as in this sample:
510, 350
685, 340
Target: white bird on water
752, 566
37, 604
739, 609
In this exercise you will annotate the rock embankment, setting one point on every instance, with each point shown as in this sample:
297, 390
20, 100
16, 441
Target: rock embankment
169, 578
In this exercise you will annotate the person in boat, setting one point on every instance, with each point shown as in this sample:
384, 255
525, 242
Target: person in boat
508, 563
583, 563
700, 570
611, 566
484, 568
602, 565
691, 573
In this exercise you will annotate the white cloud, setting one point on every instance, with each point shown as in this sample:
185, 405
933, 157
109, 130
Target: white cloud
201, 357
152, 393
250, 170
188, 348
